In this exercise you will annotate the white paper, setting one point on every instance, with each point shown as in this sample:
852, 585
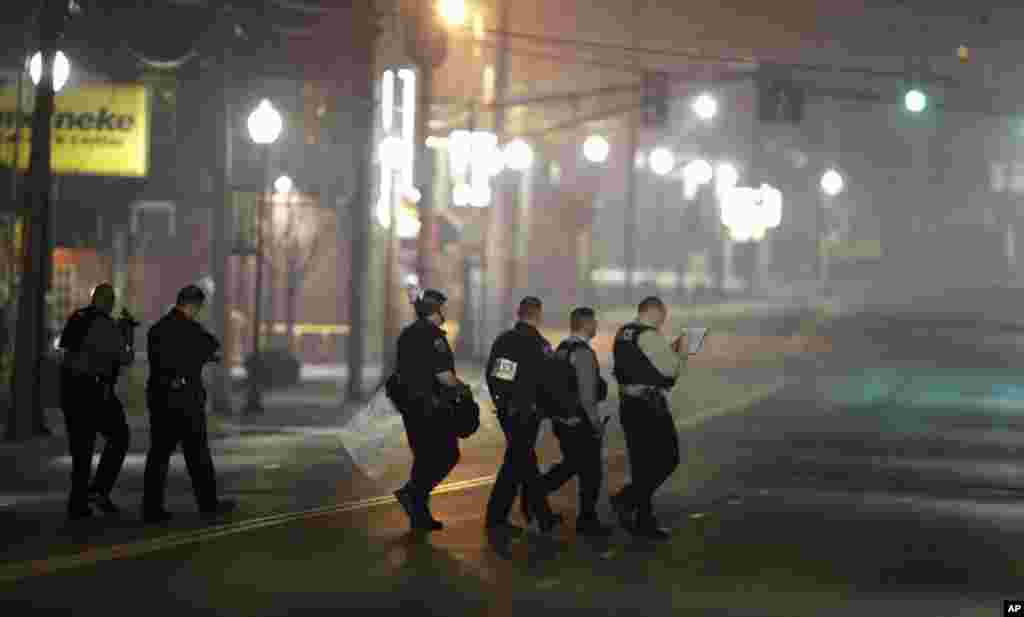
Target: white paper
695, 339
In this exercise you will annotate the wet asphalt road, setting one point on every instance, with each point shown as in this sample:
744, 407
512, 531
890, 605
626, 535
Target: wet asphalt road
885, 479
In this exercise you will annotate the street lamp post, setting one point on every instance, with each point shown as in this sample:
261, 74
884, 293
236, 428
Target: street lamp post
265, 126
832, 185
26, 405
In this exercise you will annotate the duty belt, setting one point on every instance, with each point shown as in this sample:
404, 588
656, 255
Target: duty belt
173, 382
641, 391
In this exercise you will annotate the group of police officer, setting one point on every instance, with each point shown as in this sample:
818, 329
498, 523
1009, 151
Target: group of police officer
96, 348
530, 382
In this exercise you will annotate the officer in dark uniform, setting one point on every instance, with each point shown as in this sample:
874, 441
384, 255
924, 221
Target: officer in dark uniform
94, 351
425, 369
581, 432
178, 348
517, 373
646, 367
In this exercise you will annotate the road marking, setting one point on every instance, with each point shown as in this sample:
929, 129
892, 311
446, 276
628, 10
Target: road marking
40, 567
17, 571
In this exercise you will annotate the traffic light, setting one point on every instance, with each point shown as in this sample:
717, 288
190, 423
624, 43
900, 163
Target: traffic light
779, 101
655, 100
915, 101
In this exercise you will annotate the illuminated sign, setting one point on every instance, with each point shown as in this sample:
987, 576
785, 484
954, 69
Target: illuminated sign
101, 129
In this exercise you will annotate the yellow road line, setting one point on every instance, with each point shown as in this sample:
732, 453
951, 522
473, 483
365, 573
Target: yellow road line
18, 571
21, 570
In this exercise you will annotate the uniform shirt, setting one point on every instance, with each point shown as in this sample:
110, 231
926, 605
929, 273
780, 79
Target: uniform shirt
658, 350
587, 371
423, 353
179, 347
646, 361
102, 350
516, 366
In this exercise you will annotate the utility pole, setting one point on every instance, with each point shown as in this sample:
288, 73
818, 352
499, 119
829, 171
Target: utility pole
223, 114
498, 245
27, 392
629, 229
424, 165
364, 33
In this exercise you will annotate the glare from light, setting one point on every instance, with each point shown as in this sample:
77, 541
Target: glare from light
832, 183
596, 149
460, 152
771, 206
437, 143
453, 12
283, 184
726, 178
387, 96
915, 101
478, 25
265, 124
408, 224
662, 161
705, 106
480, 195
698, 172
748, 213
411, 194
61, 69
462, 194
518, 155
393, 152
408, 78
486, 159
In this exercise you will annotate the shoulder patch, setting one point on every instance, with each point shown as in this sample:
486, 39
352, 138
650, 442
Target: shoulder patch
504, 369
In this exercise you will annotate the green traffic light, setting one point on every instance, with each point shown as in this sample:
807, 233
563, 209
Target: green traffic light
915, 101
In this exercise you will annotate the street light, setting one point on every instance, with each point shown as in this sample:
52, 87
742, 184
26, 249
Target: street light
283, 185
596, 149
832, 183
662, 161
265, 125
705, 106
518, 155
61, 69
452, 11
915, 101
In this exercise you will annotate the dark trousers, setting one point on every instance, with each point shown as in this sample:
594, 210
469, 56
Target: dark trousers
581, 455
519, 470
653, 448
434, 445
90, 408
167, 428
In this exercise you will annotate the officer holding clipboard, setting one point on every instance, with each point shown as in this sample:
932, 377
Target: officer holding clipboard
646, 368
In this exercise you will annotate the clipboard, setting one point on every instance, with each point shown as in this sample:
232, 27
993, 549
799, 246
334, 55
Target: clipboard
695, 339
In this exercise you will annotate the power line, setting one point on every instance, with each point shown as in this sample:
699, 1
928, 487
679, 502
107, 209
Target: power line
576, 122
717, 59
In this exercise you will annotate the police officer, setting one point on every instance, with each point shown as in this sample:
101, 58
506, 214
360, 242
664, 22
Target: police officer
516, 372
425, 368
94, 351
178, 348
580, 433
646, 368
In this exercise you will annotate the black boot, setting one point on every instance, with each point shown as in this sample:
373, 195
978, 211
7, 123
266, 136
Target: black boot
592, 527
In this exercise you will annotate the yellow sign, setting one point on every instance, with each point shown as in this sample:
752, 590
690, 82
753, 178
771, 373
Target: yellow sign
99, 129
